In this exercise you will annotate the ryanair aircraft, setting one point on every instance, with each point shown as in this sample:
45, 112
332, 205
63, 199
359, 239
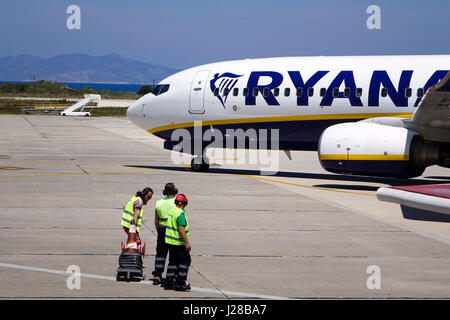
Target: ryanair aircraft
365, 115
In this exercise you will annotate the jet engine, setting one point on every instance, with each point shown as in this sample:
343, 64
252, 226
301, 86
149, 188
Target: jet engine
371, 149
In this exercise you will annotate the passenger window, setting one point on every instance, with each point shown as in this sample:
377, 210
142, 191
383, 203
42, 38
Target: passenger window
323, 92
359, 92
310, 92
255, 92
266, 92
384, 92
235, 91
408, 92
420, 92
347, 92
276, 92
226, 91
245, 92
287, 92
299, 92
335, 92
216, 92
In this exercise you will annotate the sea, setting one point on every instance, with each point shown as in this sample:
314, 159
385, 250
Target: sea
113, 87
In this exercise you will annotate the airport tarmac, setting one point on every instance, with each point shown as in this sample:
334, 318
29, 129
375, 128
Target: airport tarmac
301, 233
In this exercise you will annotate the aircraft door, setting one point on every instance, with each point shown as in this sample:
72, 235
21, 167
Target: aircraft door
198, 88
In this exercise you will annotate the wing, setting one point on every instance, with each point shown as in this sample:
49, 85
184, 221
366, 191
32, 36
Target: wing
434, 198
432, 117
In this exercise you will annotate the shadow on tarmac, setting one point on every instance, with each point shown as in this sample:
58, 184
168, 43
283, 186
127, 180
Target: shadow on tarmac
424, 215
318, 176
408, 213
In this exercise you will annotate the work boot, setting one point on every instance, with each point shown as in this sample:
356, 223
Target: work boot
168, 285
182, 287
156, 280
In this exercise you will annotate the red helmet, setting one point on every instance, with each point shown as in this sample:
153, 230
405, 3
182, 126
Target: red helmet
181, 199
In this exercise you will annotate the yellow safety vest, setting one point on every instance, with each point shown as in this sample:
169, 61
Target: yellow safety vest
172, 234
162, 208
128, 214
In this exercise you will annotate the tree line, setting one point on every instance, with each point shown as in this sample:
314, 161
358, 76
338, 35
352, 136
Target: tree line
49, 88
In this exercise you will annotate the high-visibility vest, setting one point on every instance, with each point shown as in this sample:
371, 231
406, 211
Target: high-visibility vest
162, 208
172, 234
128, 214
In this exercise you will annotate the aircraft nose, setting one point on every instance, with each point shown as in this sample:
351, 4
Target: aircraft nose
137, 113
132, 112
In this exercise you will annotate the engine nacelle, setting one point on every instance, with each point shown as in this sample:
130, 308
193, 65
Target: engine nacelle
370, 149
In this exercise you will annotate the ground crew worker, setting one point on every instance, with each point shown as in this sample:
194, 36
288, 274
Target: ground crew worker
132, 214
177, 239
162, 209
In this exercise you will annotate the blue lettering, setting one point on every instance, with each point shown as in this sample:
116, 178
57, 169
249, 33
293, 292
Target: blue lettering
349, 81
297, 80
277, 79
380, 77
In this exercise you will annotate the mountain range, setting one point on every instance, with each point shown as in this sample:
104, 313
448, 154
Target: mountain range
112, 68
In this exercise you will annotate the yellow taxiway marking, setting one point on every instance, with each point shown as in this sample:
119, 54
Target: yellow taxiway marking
12, 168
66, 162
299, 185
75, 174
305, 186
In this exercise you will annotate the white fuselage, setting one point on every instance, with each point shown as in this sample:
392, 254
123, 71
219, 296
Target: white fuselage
300, 96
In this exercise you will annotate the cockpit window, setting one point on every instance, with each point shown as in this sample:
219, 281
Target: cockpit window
160, 89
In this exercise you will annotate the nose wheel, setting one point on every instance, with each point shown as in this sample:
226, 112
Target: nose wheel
199, 164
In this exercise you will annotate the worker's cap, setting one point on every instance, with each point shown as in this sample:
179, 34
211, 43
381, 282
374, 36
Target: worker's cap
181, 199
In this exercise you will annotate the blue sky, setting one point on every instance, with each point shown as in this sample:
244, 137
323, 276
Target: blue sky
181, 34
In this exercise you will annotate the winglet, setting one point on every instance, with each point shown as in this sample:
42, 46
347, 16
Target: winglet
444, 84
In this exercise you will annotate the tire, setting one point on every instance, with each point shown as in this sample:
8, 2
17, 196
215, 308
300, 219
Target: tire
199, 167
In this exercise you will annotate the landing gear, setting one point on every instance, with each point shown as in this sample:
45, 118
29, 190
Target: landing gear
199, 164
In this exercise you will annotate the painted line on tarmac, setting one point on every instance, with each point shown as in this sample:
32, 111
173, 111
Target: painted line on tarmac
65, 162
397, 224
305, 186
99, 277
64, 273
299, 185
73, 174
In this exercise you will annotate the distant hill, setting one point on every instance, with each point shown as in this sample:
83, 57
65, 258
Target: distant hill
111, 68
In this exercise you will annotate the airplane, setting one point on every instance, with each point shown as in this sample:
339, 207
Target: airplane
384, 116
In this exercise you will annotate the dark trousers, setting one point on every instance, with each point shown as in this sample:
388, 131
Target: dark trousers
161, 252
179, 262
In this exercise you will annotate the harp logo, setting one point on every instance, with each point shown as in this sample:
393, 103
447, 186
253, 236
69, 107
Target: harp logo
222, 85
